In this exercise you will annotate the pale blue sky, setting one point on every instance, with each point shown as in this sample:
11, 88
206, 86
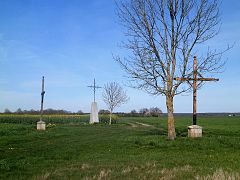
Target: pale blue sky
72, 41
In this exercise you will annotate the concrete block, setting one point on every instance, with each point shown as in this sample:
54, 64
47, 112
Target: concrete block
194, 131
41, 125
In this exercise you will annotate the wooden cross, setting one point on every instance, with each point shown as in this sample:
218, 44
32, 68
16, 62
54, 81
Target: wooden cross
94, 89
42, 97
194, 86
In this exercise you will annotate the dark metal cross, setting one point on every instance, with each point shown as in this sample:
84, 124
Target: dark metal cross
194, 86
94, 88
42, 97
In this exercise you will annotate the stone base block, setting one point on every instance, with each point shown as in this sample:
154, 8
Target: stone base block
41, 125
194, 131
94, 113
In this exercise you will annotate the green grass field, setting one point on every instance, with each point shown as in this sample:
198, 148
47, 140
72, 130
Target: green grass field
126, 150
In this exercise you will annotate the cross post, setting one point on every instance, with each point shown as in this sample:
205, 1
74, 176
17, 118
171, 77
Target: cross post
42, 97
94, 87
194, 86
195, 91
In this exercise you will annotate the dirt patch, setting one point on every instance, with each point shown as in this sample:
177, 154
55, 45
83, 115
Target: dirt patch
138, 124
143, 124
133, 125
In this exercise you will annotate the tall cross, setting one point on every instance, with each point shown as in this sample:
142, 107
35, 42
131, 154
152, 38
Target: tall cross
42, 97
194, 86
94, 89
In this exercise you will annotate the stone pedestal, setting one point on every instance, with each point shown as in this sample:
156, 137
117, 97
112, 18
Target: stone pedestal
41, 125
194, 131
94, 113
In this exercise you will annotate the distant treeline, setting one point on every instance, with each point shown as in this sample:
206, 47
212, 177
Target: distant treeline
153, 112
46, 111
143, 112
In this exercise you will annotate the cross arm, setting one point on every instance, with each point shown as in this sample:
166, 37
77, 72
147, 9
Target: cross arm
207, 79
182, 79
94, 86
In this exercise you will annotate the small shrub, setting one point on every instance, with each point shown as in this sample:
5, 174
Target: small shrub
50, 125
103, 118
151, 143
137, 142
4, 165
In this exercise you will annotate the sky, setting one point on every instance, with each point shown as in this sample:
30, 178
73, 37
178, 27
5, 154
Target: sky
71, 42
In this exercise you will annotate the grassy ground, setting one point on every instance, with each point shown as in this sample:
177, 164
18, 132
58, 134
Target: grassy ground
126, 150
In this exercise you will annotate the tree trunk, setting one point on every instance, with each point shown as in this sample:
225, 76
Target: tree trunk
171, 127
110, 118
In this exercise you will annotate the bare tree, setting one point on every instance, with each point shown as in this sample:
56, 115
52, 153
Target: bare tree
7, 111
114, 96
155, 111
144, 111
133, 111
103, 111
163, 36
80, 112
